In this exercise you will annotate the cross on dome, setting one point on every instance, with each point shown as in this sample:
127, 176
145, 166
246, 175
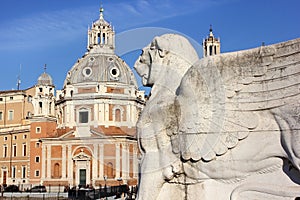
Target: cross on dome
101, 12
211, 31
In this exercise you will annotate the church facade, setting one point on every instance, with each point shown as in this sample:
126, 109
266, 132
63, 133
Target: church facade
84, 134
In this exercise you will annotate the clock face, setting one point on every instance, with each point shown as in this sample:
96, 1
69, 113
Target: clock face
87, 71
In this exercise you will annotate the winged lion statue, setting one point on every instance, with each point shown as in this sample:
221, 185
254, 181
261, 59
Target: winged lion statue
221, 127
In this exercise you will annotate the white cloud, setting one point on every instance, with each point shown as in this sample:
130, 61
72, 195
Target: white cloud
44, 29
131, 9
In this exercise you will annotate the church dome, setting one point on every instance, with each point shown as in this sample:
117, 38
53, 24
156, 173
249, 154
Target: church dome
45, 79
101, 68
100, 63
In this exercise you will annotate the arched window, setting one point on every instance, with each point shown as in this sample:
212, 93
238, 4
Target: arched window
103, 39
110, 170
60, 117
117, 115
50, 108
40, 107
210, 50
98, 38
56, 171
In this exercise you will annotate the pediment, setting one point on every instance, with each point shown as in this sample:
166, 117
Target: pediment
96, 133
81, 156
82, 133
69, 134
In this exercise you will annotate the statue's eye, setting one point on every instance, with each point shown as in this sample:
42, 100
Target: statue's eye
142, 52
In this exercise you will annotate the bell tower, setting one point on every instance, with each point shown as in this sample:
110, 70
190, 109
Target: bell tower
44, 99
211, 44
101, 36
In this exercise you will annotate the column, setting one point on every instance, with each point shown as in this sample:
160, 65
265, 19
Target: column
106, 112
133, 114
48, 161
67, 114
95, 163
118, 160
125, 157
128, 159
128, 114
76, 173
113, 40
46, 108
72, 115
96, 115
101, 158
64, 161
101, 111
134, 161
70, 170
43, 162
101, 36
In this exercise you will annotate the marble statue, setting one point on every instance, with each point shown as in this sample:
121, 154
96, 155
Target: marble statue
222, 127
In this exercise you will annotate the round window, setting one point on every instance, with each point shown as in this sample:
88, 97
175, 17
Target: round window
92, 59
110, 59
114, 72
87, 71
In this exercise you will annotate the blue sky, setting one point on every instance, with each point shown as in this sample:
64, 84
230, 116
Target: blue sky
54, 32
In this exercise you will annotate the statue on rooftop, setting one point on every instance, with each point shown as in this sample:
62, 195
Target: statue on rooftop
222, 127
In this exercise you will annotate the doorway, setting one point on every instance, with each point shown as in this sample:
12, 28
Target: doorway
82, 169
82, 177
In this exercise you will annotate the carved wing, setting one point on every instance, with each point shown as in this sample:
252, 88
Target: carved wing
222, 98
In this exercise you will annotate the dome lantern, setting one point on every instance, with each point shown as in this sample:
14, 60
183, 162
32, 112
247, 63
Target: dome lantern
101, 36
211, 45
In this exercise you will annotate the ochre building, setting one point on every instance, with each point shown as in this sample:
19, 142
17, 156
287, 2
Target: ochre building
84, 134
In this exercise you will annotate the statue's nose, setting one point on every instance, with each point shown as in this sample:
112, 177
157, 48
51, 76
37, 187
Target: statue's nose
137, 66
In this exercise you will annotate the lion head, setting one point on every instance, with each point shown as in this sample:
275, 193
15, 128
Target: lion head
168, 55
